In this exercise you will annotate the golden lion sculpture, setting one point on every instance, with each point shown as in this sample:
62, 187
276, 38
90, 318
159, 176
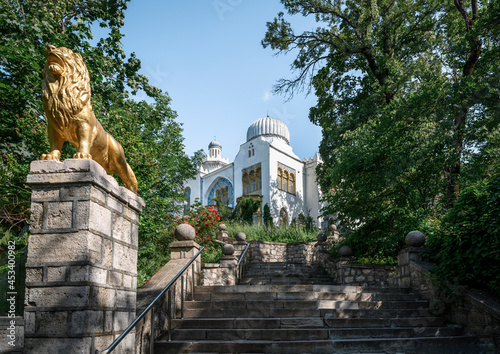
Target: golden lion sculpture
66, 102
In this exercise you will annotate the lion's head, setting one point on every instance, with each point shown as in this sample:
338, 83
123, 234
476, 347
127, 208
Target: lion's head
66, 83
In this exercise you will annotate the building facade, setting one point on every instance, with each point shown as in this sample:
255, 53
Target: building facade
265, 168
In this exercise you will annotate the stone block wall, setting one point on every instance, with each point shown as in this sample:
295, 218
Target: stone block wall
476, 311
81, 272
298, 252
218, 274
344, 272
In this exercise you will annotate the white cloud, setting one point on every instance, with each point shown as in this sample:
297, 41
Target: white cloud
267, 96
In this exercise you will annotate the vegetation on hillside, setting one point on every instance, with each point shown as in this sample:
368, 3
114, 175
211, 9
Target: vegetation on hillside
409, 105
151, 135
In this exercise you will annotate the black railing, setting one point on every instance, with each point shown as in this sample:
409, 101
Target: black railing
238, 269
150, 308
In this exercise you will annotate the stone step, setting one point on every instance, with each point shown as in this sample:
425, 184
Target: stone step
427, 345
284, 280
266, 312
338, 289
300, 334
306, 295
304, 304
305, 322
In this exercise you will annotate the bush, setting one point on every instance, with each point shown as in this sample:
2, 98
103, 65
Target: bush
466, 242
372, 243
285, 234
153, 255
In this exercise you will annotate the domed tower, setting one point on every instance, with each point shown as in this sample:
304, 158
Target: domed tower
214, 149
213, 160
269, 127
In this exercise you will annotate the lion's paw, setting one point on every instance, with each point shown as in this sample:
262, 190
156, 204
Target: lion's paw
82, 155
49, 157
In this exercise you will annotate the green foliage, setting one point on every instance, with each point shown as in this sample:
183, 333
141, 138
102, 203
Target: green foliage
285, 234
407, 104
268, 219
149, 132
245, 209
466, 242
225, 212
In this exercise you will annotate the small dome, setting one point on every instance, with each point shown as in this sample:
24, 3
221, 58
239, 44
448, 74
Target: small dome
214, 143
268, 127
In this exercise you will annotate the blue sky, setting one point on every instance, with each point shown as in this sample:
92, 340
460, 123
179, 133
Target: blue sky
207, 55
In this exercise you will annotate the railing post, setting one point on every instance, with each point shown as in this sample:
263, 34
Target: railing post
192, 284
169, 315
182, 297
152, 346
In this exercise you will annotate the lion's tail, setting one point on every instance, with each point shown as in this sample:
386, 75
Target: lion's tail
133, 180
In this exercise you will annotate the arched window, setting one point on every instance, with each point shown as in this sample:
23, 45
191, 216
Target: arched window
291, 184
259, 179
280, 178
286, 178
246, 183
222, 195
251, 150
187, 200
253, 181
283, 217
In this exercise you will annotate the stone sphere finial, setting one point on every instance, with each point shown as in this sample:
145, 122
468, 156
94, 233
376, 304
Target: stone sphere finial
321, 237
222, 227
415, 239
345, 251
185, 232
240, 236
332, 227
228, 249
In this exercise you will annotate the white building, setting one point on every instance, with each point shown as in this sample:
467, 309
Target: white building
265, 168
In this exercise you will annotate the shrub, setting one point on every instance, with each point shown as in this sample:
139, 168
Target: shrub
268, 219
153, 255
285, 234
466, 242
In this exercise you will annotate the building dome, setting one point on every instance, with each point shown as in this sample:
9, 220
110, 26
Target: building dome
214, 144
268, 127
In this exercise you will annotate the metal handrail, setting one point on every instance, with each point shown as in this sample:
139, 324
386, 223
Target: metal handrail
150, 307
242, 255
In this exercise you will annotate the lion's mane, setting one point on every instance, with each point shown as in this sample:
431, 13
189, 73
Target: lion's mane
67, 94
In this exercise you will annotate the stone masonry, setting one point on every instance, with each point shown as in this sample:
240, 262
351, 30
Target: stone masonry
81, 272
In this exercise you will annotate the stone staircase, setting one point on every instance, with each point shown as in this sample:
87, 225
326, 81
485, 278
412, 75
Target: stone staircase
287, 308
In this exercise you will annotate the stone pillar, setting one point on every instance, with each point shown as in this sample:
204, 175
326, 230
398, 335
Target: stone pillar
186, 248
240, 243
415, 252
228, 265
222, 234
81, 272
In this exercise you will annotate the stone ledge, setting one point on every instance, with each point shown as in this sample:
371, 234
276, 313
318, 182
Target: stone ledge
489, 303
210, 265
149, 291
183, 244
72, 171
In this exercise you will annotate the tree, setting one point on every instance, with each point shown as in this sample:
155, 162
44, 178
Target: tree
151, 136
267, 218
390, 101
245, 209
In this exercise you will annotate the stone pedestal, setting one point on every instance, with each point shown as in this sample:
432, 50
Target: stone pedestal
187, 249
81, 272
405, 257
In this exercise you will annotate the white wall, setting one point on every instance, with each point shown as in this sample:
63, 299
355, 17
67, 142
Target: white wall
293, 204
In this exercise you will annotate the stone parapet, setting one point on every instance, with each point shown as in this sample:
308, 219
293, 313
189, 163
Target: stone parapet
298, 252
81, 272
